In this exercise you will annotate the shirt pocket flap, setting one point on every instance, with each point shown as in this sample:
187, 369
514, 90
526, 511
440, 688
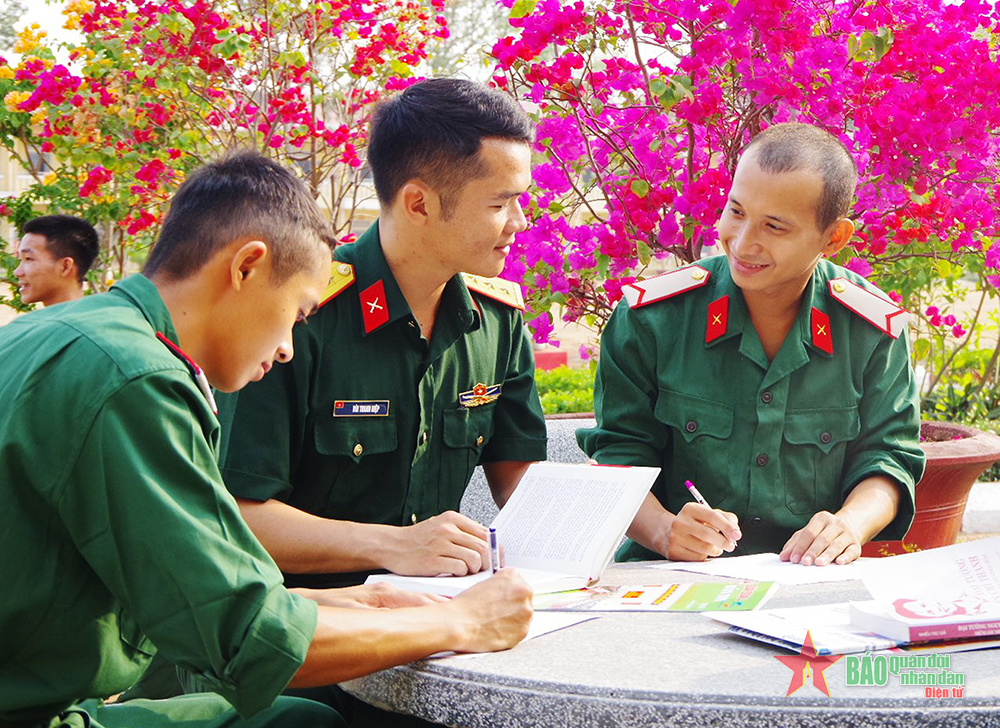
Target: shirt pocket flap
468, 426
694, 416
356, 437
131, 635
825, 428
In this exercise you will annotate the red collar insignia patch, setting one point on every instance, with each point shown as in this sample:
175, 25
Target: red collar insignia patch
374, 307
718, 319
821, 335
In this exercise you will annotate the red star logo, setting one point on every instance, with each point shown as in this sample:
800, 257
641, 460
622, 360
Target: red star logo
807, 660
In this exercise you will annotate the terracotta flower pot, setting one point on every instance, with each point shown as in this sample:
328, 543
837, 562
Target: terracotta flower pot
956, 457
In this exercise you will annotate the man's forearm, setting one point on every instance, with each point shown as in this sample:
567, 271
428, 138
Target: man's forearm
503, 477
348, 643
651, 525
301, 543
871, 506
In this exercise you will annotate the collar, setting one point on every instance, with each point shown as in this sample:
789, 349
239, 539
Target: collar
143, 294
727, 315
382, 302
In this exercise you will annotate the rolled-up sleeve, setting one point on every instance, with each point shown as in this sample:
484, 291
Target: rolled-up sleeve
164, 536
519, 426
625, 394
889, 441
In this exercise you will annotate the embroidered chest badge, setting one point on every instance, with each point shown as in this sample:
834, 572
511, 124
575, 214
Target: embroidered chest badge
480, 394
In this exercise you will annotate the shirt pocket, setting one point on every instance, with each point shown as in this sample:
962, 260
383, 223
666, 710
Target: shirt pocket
465, 432
812, 463
349, 448
700, 451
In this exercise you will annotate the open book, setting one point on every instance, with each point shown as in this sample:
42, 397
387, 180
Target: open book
559, 529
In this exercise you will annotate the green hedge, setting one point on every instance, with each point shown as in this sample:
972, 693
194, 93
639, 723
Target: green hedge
566, 390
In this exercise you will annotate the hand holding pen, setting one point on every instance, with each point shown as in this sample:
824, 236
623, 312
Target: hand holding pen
700, 531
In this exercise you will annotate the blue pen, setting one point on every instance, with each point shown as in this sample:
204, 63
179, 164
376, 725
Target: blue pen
494, 551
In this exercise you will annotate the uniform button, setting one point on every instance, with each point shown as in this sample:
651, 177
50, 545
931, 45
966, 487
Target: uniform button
691, 426
413, 519
479, 440
762, 460
825, 438
756, 521
766, 397
343, 269
423, 437
358, 449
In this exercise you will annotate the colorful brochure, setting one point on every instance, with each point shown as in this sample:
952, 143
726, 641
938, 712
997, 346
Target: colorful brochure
700, 597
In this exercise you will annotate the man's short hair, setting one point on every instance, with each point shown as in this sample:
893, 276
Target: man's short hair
791, 146
434, 130
240, 198
67, 237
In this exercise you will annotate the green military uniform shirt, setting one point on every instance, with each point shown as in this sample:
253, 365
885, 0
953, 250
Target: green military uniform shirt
683, 383
118, 537
369, 422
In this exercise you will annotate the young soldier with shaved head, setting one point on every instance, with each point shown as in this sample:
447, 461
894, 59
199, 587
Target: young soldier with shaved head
776, 381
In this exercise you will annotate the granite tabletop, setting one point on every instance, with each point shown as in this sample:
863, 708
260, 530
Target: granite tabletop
671, 669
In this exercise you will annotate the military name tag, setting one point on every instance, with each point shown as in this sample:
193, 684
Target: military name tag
361, 408
480, 394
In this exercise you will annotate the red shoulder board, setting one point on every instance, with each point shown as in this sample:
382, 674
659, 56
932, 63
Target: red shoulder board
876, 309
341, 277
665, 285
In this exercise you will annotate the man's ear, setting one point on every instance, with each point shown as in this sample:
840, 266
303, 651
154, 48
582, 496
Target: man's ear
417, 202
843, 230
249, 262
67, 268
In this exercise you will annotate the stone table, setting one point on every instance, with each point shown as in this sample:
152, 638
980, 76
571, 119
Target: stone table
648, 669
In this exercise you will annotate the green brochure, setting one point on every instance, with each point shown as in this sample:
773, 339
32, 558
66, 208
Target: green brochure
696, 597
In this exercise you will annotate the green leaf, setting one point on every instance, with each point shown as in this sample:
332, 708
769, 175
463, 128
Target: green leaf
644, 251
522, 8
921, 348
658, 87
400, 69
639, 187
944, 268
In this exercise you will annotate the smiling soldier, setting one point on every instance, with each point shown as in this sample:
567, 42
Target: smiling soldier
775, 380
412, 372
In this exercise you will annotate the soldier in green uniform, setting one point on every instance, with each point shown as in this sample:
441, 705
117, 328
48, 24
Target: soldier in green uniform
777, 382
412, 372
118, 536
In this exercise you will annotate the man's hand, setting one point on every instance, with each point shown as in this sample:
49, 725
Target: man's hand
495, 613
446, 544
827, 538
369, 596
699, 532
